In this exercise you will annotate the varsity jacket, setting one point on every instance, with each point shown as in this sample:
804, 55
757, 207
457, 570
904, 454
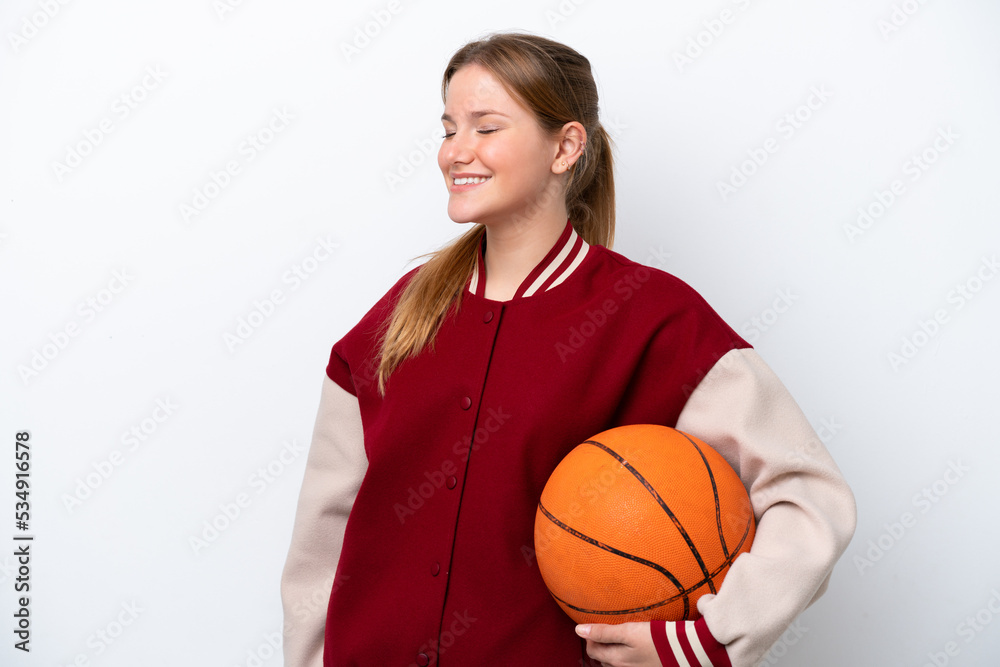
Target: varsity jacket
413, 534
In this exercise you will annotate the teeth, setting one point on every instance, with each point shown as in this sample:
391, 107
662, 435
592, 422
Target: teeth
463, 181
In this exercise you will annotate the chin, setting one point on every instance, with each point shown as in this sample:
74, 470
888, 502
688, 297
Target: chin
460, 219
462, 216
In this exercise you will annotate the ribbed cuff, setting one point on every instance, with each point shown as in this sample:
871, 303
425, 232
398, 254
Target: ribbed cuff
687, 644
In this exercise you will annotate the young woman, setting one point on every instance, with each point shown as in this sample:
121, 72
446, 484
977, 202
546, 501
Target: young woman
448, 405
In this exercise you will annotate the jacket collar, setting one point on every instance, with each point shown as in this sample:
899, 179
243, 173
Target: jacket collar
562, 259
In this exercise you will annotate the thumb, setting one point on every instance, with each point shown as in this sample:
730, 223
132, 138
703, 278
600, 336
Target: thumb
602, 633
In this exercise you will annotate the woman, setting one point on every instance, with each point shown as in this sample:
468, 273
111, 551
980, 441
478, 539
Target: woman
447, 406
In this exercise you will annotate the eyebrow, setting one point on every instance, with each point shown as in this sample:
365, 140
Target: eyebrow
477, 114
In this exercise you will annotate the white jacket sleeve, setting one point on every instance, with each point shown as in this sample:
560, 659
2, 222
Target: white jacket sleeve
335, 466
805, 510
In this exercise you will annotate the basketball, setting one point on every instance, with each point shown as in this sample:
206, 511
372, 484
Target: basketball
639, 522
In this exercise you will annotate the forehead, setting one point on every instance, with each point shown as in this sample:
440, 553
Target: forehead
473, 88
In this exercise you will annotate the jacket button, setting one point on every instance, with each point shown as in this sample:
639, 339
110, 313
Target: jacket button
488, 317
451, 482
466, 403
435, 569
423, 660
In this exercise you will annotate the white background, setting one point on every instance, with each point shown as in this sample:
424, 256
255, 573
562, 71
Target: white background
900, 594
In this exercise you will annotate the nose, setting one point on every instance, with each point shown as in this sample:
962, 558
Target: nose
456, 149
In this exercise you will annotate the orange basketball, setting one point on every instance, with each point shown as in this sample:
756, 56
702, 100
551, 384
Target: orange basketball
639, 522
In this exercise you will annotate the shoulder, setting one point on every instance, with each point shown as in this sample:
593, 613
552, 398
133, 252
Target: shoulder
677, 336
616, 267
368, 327
387, 302
353, 359
650, 289
393, 293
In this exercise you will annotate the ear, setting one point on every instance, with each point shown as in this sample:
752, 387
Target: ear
572, 140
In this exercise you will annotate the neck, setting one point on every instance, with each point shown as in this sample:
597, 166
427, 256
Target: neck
513, 250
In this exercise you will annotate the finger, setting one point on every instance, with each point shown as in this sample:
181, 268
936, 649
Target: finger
602, 633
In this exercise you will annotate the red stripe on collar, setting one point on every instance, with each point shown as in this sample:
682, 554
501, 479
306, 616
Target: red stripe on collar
563, 257
528, 284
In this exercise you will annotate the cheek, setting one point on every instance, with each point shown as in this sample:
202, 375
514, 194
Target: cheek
524, 171
505, 161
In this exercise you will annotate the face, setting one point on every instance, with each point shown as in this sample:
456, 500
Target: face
487, 134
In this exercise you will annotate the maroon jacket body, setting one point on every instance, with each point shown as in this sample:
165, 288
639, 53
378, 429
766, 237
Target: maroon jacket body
438, 565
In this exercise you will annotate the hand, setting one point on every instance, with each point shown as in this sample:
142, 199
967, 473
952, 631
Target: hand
624, 645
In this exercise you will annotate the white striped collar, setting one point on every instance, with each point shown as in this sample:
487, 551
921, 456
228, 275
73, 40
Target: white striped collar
566, 254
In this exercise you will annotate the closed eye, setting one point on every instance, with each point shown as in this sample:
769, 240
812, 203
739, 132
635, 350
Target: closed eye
450, 134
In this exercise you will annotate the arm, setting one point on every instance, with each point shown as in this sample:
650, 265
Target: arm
334, 469
805, 510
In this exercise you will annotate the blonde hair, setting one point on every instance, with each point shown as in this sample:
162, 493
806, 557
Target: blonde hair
555, 83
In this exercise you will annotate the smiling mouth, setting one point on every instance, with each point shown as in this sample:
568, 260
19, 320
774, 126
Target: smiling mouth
463, 184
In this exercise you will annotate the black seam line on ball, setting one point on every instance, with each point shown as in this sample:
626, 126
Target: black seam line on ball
662, 504
618, 552
682, 592
715, 493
